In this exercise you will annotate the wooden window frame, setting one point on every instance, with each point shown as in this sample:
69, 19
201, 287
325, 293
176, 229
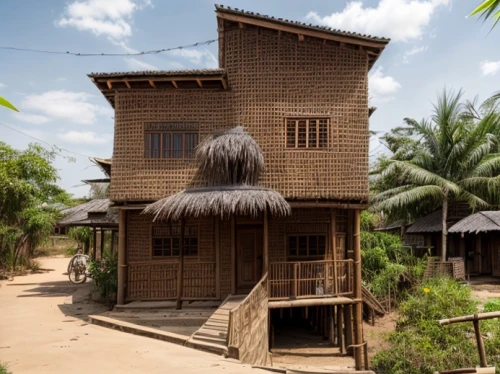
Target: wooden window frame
308, 121
308, 256
147, 152
170, 236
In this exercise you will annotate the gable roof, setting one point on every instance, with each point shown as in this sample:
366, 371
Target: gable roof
478, 222
96, 212
372, 44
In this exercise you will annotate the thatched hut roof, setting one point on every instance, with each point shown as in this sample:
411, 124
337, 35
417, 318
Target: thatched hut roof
230, 157
96, 212
428, 224
478, 222
219, 201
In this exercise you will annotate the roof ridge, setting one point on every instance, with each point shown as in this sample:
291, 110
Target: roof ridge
228, 9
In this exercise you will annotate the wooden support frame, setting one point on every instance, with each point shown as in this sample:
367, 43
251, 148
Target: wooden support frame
122, 267
217, 257
233, 256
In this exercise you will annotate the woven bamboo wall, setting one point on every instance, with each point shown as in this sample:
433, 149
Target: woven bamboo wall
271, 77
156, 279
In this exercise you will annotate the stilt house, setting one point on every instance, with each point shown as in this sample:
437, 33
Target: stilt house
248, 179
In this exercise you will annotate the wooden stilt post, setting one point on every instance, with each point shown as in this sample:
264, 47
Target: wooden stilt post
94, 244
331, 325
121, 256
358, 307
340, 317
480, 344
217, 257
180, 270
102, 243
348, 326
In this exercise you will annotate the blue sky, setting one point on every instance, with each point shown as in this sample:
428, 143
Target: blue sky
433, 46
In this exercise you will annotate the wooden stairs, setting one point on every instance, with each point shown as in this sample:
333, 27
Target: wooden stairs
212, 336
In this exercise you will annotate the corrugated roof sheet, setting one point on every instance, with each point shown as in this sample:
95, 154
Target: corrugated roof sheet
80, 213
329, 30
478, 222
163, 73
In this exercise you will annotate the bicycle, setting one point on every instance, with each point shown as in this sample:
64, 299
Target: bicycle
78, 268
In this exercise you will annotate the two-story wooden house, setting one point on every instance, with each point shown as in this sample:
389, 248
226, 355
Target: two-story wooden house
272, 206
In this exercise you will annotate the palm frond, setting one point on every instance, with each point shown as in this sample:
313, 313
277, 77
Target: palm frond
410, 197
488, 167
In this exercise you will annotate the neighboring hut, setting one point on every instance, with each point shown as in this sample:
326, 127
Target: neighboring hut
478, 238
99, 217
219, 227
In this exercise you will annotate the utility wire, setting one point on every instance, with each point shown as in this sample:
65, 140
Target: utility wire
43, 141
80, 54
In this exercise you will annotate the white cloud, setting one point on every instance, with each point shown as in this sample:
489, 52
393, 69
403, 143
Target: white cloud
197, 57
72, 106
382, 87
135, 64
415, 50
35, 119
400, 20
111, 18
2, 85
85, 137
489, 67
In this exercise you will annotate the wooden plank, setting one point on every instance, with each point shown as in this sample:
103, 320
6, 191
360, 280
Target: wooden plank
310, 302
217, 257
301, 30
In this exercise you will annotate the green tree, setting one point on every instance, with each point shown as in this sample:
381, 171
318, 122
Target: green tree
27, 181
488, 9
454, 158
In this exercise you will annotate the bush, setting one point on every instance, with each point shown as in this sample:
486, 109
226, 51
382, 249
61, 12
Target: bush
104, 272
3, 369
493, 305
421, 346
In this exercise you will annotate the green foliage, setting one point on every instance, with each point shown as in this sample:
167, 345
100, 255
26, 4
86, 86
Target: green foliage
493, 305
27, 180
368, 220
3, 369
387, 266
7, 104
104, 272
421, 346
488, 9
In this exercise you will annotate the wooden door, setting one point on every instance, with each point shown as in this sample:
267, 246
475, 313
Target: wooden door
247, 274
495, 249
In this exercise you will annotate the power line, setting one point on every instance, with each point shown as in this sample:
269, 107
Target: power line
43, 141
80, 54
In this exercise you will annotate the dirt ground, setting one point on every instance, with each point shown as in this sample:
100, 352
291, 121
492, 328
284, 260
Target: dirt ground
44, 329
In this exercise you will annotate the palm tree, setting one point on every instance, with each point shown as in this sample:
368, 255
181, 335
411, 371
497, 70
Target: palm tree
487, 10
457, 159
5, 103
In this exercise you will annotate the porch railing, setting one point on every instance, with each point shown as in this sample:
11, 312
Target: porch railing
307, 279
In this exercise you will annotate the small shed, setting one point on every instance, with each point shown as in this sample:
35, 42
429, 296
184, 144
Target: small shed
479, 242
99, 216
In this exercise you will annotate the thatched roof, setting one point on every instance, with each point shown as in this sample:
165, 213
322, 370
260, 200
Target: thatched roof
478, 222
430, 223
230, 157
96, 212
219, 201
392, 226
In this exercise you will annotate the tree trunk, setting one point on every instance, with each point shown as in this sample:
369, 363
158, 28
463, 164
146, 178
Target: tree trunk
444, 241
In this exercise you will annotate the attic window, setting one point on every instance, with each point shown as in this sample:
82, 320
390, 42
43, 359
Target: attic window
307, 133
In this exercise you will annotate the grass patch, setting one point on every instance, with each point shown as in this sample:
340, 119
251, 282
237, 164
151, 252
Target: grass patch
3, 369
421, 346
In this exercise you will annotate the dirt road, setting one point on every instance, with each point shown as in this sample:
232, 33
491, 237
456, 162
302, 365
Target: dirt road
44, 329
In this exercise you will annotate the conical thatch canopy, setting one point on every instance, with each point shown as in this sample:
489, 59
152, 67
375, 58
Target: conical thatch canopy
230, 157
231, 163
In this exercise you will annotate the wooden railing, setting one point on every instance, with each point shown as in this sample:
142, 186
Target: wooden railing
248, 339
307, 279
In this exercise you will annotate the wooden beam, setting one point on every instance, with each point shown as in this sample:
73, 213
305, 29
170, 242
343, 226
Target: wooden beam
302, 30
175, 84
301, 37
122, 267
326, 204
152, 83
217, 257
127, 83
163, 79
358, 307
265, 262
241, 25
199, 83
233, 256
224, 83
110, 84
